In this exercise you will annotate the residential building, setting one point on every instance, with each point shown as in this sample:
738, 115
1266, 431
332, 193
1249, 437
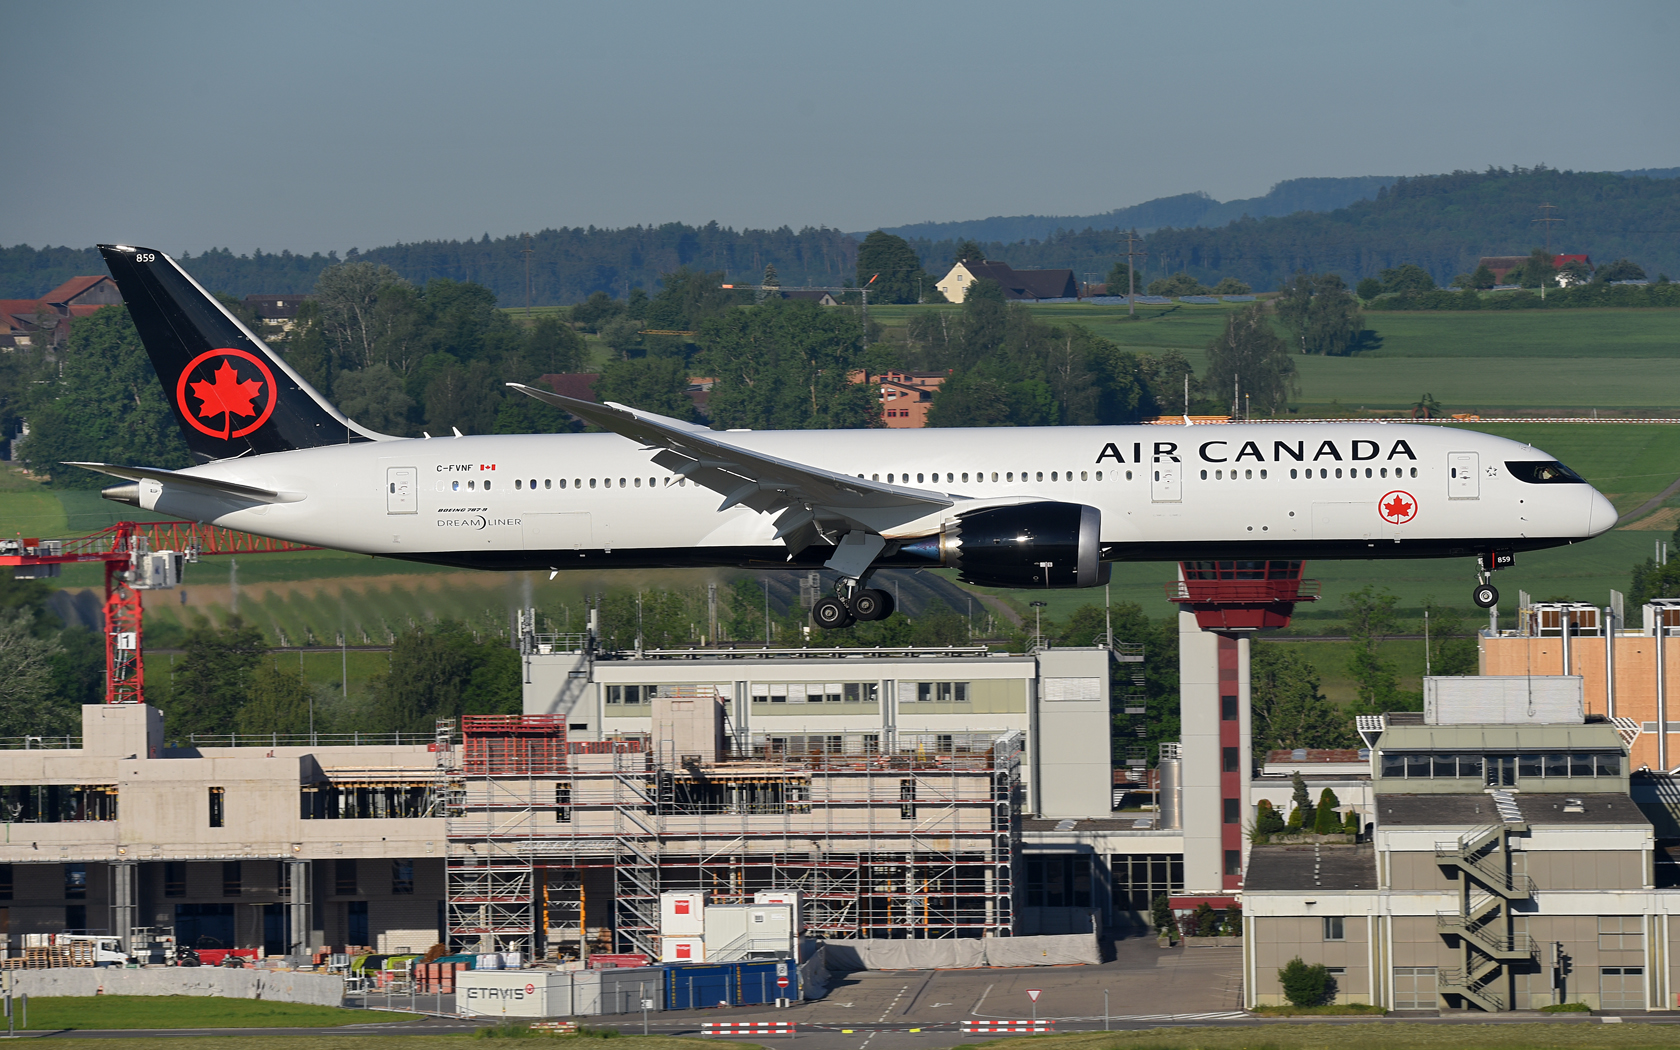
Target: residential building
1016, 284
1501, 265
276, 311
30, 322
907, 396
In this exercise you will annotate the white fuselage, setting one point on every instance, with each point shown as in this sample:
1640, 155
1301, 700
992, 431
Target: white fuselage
1165, 492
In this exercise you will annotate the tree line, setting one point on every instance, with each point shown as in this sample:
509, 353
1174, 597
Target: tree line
1443, 224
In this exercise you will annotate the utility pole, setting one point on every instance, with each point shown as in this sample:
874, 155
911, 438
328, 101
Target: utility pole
526, 251
1547, 221
1131, 272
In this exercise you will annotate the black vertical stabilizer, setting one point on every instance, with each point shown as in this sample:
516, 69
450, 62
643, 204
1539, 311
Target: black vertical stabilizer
231, 394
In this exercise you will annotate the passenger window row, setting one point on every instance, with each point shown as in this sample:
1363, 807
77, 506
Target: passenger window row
951, 477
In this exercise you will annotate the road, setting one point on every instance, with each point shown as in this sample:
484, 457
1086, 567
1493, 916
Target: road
1147, 987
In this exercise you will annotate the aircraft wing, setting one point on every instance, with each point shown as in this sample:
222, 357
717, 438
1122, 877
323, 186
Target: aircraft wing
810, 502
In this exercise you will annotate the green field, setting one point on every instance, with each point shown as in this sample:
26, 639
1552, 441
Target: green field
1557, 1035
62, 1013
329, 1040
1568, 361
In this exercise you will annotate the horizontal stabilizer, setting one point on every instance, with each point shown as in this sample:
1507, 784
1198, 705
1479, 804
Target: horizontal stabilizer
175, 477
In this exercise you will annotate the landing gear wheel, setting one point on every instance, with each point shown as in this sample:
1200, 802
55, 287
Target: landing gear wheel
831, 614
1485, 595
872, 604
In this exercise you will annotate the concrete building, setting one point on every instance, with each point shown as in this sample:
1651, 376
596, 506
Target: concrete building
886, 787
276, 847
1625, 672
1508, 867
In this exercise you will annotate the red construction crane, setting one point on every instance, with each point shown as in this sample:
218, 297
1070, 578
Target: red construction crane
138, 556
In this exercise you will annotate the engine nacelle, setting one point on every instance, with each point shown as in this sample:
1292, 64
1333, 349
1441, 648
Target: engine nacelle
1031, 545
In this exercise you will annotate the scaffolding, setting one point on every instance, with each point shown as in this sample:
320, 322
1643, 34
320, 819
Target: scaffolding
911, 836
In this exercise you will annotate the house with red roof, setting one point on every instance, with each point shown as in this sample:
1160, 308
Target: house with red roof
28, 322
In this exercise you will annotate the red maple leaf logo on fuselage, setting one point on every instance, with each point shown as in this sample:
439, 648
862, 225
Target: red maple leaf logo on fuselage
227, 397
1397, 509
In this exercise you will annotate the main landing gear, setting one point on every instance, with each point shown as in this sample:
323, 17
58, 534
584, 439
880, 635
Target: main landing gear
1486, 595
853, 603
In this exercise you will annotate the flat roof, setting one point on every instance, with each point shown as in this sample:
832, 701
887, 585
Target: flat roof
1309, 867
1537, 809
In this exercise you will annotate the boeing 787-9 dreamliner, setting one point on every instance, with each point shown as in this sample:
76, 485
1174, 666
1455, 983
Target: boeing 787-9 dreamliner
1007, 507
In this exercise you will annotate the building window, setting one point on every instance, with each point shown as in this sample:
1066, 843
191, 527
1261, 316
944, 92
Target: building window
1138, 878
1335, 928
5, 882
402, 877
1233, 811
75, 917
356, 924
563, 803
942, 692
1228, 708
344, 878
1233, 862
75, 883
1232, 763
174, 879
218, 812
283, 885
907, 799
232, 878
1058, 881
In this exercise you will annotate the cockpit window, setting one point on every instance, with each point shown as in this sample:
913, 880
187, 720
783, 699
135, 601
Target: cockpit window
1543, 472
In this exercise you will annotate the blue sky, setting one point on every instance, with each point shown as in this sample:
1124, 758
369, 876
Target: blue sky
315, 126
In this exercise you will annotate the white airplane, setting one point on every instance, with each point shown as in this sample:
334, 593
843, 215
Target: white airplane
1033, 507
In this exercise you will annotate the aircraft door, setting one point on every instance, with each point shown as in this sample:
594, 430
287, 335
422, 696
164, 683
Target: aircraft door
1166, 474
1464, 475
400, 485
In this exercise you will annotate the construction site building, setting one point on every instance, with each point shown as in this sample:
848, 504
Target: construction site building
888, 789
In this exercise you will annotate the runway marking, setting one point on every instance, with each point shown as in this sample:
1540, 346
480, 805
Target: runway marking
976, 1011
885, 1014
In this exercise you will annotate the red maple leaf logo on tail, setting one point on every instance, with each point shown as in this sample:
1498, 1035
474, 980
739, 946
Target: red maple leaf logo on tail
1398, 509
227, 397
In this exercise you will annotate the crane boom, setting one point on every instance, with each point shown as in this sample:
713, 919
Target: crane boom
138, 556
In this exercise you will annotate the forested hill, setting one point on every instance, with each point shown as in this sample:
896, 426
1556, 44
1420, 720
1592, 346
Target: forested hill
1184, 209
567, 265
1443, 223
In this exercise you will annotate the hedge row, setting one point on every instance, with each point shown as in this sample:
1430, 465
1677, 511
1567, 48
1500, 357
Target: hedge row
1586, 295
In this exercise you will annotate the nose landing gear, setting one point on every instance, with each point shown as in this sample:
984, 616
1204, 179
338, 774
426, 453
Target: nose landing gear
1486, 595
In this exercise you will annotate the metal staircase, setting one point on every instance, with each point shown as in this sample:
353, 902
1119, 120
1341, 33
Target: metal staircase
1482, 924
637, 824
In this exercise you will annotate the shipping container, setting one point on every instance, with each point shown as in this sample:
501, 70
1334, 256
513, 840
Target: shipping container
1503, 700
514, 993
682, 949
709, 985
682, 914
615, 991
792, 897
745, 931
